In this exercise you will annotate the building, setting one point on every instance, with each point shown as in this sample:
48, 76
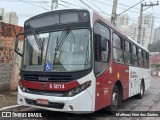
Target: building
1, 14
156, 34
7, 34
132, 31
123, 20
147, 30
123, 23
145, 35
11, 18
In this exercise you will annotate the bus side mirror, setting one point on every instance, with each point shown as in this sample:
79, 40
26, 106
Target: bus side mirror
19, 44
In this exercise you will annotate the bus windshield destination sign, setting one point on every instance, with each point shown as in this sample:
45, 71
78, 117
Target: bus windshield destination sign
57, 18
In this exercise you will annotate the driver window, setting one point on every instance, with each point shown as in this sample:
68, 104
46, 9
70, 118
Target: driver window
103, 34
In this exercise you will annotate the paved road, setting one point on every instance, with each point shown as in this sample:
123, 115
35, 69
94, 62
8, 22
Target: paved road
150, 102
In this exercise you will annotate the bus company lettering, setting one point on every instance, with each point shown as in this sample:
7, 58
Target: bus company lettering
56, 86
133, 74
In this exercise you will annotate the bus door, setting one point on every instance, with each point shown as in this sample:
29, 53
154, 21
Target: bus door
135, 72
102, 55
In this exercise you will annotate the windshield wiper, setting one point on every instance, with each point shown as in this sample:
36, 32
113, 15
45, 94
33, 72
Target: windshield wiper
61, 40
38, 41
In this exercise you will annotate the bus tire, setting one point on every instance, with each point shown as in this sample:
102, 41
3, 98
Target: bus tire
115, 100
140, 95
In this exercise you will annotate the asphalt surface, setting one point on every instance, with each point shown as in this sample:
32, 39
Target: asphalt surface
149, 103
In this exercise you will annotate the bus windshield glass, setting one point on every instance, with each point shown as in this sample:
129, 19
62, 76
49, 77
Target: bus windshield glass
60, 51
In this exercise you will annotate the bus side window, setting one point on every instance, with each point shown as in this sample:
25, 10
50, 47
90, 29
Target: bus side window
144, 59
134, 56
147, 57
140, 57
118, 48
101, 47
127, 53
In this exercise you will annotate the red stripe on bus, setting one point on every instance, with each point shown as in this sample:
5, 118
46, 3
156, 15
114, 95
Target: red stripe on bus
52, 86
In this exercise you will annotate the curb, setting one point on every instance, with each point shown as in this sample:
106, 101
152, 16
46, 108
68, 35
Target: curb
10, 107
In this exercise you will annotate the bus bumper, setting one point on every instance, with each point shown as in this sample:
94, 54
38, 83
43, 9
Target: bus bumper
80, 103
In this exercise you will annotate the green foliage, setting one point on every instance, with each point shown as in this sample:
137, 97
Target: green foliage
155, 65
155, 47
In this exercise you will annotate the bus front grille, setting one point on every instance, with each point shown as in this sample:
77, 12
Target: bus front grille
49, 78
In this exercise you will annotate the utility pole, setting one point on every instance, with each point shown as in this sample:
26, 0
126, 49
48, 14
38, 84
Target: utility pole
54, 2
141, 17
114, 8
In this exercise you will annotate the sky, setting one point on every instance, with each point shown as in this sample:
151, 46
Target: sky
28, 8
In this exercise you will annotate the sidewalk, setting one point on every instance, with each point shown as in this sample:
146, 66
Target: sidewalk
8, 98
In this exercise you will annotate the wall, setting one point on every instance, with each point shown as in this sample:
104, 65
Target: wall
8, 65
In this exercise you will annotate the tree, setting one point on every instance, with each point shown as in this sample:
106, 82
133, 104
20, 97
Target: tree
155, 47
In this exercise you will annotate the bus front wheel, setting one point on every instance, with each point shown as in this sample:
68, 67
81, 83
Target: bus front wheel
115, 99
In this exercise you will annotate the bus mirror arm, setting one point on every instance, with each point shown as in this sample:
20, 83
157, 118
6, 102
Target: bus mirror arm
16, 49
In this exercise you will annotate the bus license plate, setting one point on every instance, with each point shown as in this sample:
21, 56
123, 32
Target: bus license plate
42, 102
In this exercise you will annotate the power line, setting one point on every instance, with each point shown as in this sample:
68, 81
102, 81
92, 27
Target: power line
71, 4
136, 10
27, 0
90, 6
96, 6
122, 8
45, 4
80, 6
57, 4
121, 4
63, 5
130, 8
86, 4
33, 4
42, 5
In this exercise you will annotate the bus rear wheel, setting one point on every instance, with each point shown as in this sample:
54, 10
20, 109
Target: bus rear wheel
140, 95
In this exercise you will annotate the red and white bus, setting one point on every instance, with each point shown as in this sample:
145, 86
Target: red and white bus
76, 61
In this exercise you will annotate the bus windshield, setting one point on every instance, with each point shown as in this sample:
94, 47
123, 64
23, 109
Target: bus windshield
60, 51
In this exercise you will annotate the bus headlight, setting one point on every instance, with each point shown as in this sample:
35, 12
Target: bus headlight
22, 87
79, 89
